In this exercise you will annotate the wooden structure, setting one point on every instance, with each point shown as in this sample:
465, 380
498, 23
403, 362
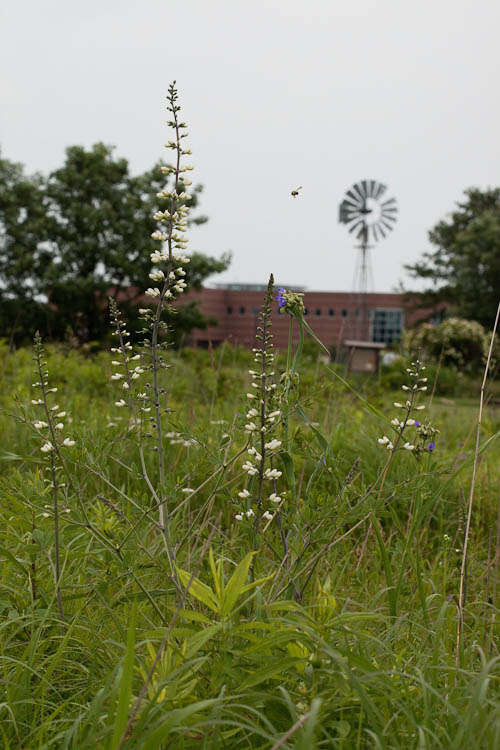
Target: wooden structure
363, 356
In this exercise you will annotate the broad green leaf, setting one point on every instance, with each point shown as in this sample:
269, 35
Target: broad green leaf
195, 642
236, 584
217, 578
272, 670
5, 553
199, 590
177, 718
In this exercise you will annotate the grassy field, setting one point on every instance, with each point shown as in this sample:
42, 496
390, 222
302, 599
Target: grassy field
330, 624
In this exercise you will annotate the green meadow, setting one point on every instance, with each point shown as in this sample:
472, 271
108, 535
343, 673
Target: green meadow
338, 620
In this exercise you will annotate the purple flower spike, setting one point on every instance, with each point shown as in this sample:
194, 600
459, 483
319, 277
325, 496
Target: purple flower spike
431, 446
280, 298
417, 424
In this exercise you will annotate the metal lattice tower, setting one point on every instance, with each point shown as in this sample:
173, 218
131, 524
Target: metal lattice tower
369, 219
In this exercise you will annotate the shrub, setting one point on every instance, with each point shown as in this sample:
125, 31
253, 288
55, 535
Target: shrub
461, 343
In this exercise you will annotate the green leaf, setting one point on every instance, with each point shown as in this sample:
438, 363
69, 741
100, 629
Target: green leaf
236, 584
178, 718
125, 693
216, 575
305, 736
197, 641
270, 670
322, 442
199, 590
5, 553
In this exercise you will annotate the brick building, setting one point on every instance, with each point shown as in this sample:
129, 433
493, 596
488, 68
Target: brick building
333, 316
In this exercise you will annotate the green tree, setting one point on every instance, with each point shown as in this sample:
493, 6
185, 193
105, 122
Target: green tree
81, 235
465, 267
23, 250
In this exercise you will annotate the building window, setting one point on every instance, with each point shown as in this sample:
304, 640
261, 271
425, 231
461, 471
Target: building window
229, 309
437, 318
318, 311
306, 311
344, 313
255, 310
242, 310
356, 313
331, 312
386, 326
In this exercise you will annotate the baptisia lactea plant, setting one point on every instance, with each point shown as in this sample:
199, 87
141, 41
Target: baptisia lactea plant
50, 430
422, 439
261, 498
167, 273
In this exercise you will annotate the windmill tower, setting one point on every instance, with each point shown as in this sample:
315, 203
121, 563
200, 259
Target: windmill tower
369, 219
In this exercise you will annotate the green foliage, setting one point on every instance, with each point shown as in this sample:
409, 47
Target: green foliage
79, 236
458, 343
244, 662
465, 267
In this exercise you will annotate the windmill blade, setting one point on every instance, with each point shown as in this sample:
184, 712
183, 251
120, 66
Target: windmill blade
375, 232
381, 230
355, 198
380, 190
387, 216
354, 226
347, 216
389, 202
352, 205
389, 210
384, 223
372, 185
364, 184
344, 212
357, 189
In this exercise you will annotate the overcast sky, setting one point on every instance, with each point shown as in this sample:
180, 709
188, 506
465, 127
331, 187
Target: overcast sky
277, 94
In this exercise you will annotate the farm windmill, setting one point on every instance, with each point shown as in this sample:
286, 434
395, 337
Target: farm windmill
369, 219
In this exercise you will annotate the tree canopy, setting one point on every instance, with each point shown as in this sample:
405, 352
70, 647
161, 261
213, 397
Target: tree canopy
69, 240
464, 270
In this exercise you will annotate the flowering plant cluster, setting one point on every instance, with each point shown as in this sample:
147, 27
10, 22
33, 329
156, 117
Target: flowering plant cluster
459, 343
50, 428
423, 439
168, 261
290, 302
261, 493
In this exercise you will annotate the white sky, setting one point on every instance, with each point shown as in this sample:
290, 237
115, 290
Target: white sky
277, 93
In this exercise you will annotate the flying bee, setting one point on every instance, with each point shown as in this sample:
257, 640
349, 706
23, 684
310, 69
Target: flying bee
296, 191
